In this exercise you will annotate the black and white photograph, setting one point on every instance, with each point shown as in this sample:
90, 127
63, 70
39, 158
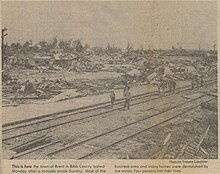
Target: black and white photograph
109, 80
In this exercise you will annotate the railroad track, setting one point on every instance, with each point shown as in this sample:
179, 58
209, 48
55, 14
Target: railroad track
44, 118
166, 115
63, 114
117, 135
134, 103
82, 115
51, 117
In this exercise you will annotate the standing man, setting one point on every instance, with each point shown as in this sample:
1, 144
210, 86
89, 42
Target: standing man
125, 89
127, 96
112, 97
173, 86
193, 82
169, 82
197, 81
201, 81
163, 86
158, 87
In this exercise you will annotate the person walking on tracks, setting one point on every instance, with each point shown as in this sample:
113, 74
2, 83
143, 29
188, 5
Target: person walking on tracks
158, 87
162, 86
197, 82
127, 96
201, 81
173, 86
112, 97
193, 82
169, 83
126, 88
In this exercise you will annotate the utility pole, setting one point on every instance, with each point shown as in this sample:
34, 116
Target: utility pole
3, 35
214, 46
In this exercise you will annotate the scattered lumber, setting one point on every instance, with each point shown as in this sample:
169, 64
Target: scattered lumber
182, 150
209, 106
201, 141
34, 149
34, 142
202, 149
166, 144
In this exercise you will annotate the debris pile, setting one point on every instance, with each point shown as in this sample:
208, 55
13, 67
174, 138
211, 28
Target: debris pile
68, 57
17, 92
191, 138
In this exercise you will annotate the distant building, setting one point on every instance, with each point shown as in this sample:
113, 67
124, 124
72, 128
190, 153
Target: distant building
30, 60
56, 50
41, 60
20, 61
65, 60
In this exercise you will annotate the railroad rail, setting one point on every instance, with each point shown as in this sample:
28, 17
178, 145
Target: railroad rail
106, 133
94, 153
126, 126
135, 98
44, 118
187, 109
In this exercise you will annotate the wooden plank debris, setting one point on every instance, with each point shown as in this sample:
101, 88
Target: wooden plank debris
202, 149
182, 151
209, 106
213, 94
167, 139
193, 96
166, 144
201, 141
31, 143
34, 149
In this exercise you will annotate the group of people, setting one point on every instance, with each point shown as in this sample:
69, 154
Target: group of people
166, 83
197, 81
127, 97
163, 83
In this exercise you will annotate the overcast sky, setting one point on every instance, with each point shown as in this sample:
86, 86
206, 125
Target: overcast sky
151, 24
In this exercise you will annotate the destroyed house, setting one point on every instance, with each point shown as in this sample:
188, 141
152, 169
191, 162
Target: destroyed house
41, 60
118, 68
65, 61
19, 60
56, 50
30, 60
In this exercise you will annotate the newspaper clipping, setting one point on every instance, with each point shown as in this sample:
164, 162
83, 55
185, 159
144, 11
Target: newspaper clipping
109, 87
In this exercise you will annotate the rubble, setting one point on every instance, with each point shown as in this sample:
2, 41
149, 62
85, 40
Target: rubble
139, 67
35, 142
210, 106
152, 76
68, 94
134, 72
193, 96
